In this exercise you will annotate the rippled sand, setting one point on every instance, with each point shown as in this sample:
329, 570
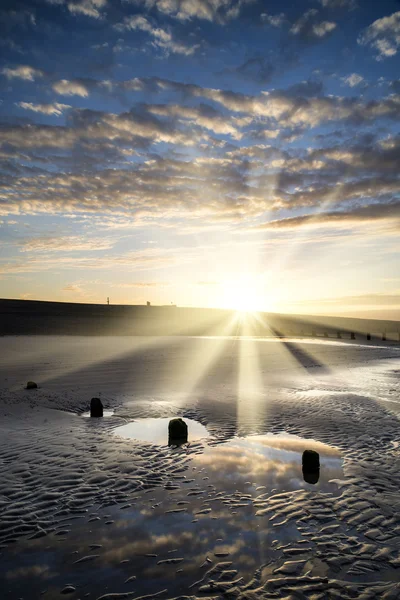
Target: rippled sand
87, 513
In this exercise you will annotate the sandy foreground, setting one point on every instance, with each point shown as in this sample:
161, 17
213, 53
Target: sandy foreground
86, 513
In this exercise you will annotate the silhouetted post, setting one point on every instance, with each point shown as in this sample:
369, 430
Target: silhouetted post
310, 465
96, 407
339, 335
108, 300
368, 336
177, 432
352, 336
383, 337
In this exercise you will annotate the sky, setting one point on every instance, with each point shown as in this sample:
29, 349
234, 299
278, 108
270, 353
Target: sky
217, 153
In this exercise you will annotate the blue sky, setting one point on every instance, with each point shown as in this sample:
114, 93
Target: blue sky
202, 152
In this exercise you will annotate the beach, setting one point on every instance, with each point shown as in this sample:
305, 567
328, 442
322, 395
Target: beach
89, 513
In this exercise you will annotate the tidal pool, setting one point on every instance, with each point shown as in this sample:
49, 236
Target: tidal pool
170, 536
272, 462
106, 413
155, 431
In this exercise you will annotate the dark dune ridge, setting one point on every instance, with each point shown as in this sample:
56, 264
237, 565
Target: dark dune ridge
31, 317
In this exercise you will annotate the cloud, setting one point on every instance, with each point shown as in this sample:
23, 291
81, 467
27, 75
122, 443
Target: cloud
139, 260
369, 213
65, 244
273, 20
89, 8
204, 116
22, 72
220, 11
65, 87
55, 109
72, 287
350, 4
161, 39
141, 284
353, 80
383, 35
257, 69
309, 27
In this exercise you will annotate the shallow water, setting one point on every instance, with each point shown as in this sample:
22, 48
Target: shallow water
168, 537
106, 413
100, 509
155, 431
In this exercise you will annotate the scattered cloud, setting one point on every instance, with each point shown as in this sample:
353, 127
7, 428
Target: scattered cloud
72, 287
383, 35
65, 244
22, 72
141, 284
273, 20
162, 39
89, 8
220, 11
54, 109
309, 26
369, 213
350, 4
353, 80
65, 87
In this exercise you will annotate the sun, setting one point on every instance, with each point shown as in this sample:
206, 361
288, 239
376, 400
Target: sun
243, 295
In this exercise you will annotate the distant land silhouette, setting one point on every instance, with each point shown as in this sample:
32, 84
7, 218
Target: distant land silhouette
32, 317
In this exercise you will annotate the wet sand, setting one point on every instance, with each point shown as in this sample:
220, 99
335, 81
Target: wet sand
88, 513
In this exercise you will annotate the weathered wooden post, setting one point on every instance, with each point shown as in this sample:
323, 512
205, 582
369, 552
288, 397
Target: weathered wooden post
96, 407
177, 432
368, 336
310, 466
352, 336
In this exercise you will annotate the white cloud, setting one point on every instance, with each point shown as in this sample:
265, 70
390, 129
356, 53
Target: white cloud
321, 29
72, 287
274, 20
210, 10
65, 244
308, 26
65, 87
54, 109
22, 72
88, 8
383, 35
352, 80
161, 39
350, 4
